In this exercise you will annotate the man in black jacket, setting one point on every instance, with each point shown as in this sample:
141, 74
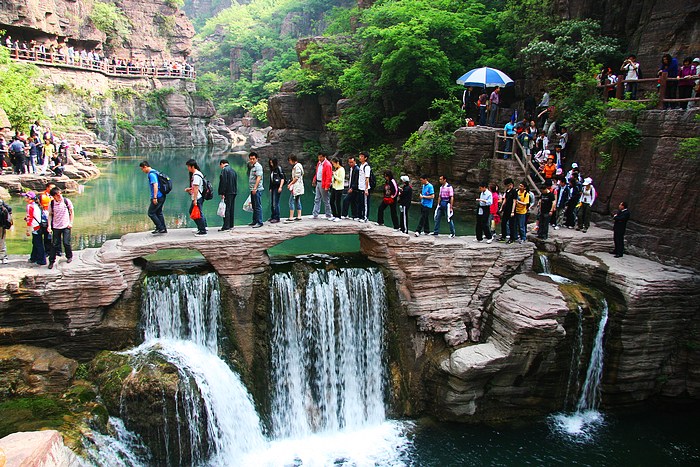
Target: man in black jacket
620, 218
228, 183
507, 220
353, 197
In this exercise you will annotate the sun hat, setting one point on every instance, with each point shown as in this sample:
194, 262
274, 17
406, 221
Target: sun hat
587, 181
404, 178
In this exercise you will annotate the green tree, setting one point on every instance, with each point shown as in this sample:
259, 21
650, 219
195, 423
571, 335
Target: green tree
20, 97
574, 44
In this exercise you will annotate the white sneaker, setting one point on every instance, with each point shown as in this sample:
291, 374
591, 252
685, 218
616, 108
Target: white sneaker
556, 227
477, 240
417, 234
336, 219
489, 240
344, 217
452, 235
315, 217
5, 260
332, 219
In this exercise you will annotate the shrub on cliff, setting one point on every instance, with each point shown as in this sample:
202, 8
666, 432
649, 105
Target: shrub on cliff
19, 96
112, 21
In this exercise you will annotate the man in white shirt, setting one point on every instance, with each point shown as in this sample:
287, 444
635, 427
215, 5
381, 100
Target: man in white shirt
485, 200
363, 185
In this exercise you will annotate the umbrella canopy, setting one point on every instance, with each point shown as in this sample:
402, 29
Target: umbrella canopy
485, 77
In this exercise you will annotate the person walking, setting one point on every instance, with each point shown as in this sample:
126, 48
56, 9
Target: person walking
255, 184
296, 189
619, 228
60, 225
483, 213
33, 219
337, 186
352, 198
427, 194
507, 219
405, 197
495, 102
391, 192
520, 207
276, 185
546, 210
445, 207
322, 182
195, 190
5, 225
588, 195
157, 199
364, 185
228, 188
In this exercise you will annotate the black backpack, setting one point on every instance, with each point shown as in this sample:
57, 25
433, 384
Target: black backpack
165, 185
5, 216
372, 180
207, 189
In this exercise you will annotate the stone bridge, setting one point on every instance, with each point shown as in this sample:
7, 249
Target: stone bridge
442, 282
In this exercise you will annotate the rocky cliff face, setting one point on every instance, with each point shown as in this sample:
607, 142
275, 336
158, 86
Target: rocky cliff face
158, 30
660, 188
134, 112
648, 28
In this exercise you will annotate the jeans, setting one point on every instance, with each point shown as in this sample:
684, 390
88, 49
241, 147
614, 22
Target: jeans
506, 228
632, 89
38, 254
295, 202
493, 114
521, 226
275, 204
482, 115
442, 211
230, 201
424, 221
322, 196
60, 236
509, 146
256, 201
202, 221
155, 212
336, 196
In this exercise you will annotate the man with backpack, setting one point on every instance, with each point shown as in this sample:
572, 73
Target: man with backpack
157, 190
60, 225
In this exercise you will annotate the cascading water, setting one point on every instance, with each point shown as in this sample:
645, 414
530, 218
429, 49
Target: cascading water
329, 371
586, 418
215, 420
547, 271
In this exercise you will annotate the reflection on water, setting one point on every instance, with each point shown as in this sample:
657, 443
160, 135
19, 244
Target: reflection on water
116, 203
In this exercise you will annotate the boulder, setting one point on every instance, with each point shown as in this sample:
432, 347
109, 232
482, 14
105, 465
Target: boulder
36, 448
27, 370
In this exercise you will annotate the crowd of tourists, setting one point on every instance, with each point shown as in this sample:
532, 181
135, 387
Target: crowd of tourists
343, 194
90, 59
49, 221
39, 153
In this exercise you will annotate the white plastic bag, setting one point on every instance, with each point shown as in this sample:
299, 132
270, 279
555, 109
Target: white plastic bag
221, 211
248, 205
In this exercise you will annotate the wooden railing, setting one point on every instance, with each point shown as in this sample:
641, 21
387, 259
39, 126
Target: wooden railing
662, 82
100, 66
519, 154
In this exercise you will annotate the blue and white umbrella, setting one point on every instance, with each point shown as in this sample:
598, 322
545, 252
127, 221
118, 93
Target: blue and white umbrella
485, 77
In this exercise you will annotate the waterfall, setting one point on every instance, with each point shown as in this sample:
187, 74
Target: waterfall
583, 422
215, 419
547, 270
119, 448
590, 395
328, 367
